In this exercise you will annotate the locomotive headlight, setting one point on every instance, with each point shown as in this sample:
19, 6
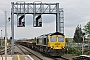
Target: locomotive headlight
63, 47
52, 47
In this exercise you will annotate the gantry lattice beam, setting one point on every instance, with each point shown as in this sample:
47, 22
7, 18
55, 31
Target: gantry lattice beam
31, 8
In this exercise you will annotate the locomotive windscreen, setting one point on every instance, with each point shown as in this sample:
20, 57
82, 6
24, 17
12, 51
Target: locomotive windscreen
60, 39
53, 39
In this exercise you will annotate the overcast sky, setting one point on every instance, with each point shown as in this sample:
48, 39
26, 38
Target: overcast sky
75, 12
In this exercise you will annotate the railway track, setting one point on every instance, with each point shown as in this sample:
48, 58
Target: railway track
38, 56
27, 52
2, 52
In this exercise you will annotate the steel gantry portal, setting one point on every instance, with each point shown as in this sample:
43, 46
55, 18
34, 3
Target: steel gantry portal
36, 8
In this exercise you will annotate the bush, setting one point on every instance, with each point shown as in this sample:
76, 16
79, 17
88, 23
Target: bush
73, 50
78, 52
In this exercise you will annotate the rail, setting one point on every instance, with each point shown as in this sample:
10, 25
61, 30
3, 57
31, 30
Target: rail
2, 51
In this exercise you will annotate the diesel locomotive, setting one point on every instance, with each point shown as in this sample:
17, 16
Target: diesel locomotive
52, 44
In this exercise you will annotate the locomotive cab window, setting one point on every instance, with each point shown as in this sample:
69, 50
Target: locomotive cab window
60, 39
53, 39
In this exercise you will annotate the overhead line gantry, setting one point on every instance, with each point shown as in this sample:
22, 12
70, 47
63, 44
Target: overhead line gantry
37, 9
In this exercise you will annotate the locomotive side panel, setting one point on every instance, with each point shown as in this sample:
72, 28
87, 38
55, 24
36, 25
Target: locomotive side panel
41, 41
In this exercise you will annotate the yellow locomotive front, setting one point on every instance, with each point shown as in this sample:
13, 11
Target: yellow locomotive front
56, 44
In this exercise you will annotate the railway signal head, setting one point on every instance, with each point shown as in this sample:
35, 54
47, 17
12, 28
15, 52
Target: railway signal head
38, 22
4, 38
10, 37
20, 23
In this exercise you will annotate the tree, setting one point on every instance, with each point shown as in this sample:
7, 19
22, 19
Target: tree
87, 29
78, 35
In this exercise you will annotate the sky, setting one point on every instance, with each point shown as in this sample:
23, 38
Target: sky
75, 12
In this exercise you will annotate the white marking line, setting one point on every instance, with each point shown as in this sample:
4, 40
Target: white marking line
30, 57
